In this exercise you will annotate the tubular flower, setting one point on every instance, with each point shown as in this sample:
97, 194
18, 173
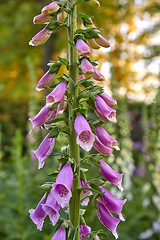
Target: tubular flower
102, 41
85, 137
104, 111
51, 8
41, 37
109, 174
43, 116
93, 44
107, 218
61, 189
97, 75
56, 95
111, 202
60, 234
45, 149
87, 67
62, 105
83, 230
105, 138
82, 48
45, 81
86, 200
108, 100
100, 147
41, 18
51, 207
38, 215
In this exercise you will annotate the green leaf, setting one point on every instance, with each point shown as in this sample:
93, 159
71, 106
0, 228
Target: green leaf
82, 15
64, 61
53, 174
54, 132
57, 120
64, 129
53, 25
54, 67
72, 233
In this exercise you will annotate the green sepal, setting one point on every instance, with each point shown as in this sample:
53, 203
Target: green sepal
62, 3
72, 233
82, 221
64, 129
57, 120
64, 61
80, 110
53, 174
46, 186
86, 19
54, 132
82, 176
53, 106
54, 66
53, 25
84, 95
91, 104
79, 36
89, 32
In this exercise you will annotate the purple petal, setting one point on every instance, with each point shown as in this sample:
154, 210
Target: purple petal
60, 234
93, 44
65, 176
83, 230
38, 215
46, 80
45, 149
40, 38
82, 48
107, 218
61, 193
102, 41
56, 95
50, 8
100, 147
41, 18
109, 174
111, 202
86, 66
97, 75
86, 200
51, 207
108, 100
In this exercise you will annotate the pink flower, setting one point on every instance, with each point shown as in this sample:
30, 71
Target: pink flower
86, 200
108, 100
97, 75
105, 138
83, 230
111, 202
82, 48
62, 105
41, 18
102, 41
40, 38
38, 215
107, 218
61, 189
87, 67
51, 8
60, 234
85, 137
109, 174
51, 208
45, 149
100, 147
103, 111
56, 95
45, 81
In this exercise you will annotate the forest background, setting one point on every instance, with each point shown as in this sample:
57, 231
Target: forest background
132, 70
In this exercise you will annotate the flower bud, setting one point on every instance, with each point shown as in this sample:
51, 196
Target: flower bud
51, 8
94, 3
102, 41
41, 18
93, 44
40, 38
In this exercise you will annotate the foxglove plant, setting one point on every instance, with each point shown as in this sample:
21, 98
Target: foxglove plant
71, 92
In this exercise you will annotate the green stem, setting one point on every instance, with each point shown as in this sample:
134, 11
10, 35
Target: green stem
74, 148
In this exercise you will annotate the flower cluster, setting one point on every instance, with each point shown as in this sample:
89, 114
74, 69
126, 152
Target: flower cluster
88, 134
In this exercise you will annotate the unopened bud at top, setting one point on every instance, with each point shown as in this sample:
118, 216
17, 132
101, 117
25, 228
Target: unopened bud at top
51, 8
41, 18
94, 3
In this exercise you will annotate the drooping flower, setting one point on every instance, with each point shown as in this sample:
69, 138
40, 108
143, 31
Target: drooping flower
41, 18
38, 215
93, 44
85, 137
56, 95
105, 138
45, 81
108, 100
83, 230
107, 218
60, 234
102, 41
103, 111
87, 67
82, 48
110, 175
97, 75
111, 202
51, 8
43, 116
61, 189
45, 149
100, 147
86, 200
41, 37
51, 208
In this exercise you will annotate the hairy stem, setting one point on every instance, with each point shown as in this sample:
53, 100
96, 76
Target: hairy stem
74, 148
